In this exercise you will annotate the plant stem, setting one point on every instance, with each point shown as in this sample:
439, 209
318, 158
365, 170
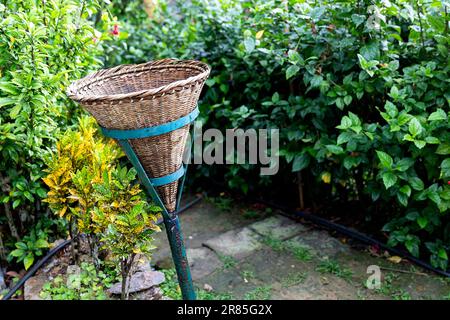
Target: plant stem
11, 224
2, 249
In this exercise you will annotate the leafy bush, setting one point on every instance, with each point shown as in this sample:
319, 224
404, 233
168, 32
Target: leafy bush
44, 45
89, 284
99, 198
360, 90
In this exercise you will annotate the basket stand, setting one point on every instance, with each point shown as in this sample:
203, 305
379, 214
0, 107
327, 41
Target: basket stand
171, 221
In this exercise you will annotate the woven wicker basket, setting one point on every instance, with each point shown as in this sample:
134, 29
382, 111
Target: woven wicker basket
145, 95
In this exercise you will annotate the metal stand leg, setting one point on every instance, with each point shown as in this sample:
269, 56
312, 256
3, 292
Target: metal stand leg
172, 225
175, 238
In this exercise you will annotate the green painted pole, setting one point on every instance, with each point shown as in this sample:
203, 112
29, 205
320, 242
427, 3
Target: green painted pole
172, 225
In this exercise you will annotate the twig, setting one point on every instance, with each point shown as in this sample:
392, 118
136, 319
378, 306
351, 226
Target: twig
404, 271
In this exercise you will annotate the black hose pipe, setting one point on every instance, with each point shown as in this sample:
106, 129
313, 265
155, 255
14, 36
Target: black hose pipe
353, 234
61, 246
35, 268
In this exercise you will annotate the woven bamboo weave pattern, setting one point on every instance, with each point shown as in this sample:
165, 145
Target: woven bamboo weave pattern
145, 95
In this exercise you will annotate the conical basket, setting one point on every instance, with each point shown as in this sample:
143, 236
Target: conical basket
146, 95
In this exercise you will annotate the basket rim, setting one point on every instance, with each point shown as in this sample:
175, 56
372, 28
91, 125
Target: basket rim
126, 69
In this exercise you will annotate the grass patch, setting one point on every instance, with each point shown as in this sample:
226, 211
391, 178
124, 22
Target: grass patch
251, 214
248, 275
389, 289
211, 295
276, 244
259, 293
299, 252
228, 261
171, 289
334, 268
223, 203
293, 279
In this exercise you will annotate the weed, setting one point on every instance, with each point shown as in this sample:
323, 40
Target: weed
333, 267
228, 261
259, 293
293, 279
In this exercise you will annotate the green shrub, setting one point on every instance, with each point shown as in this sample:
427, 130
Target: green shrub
99, 198
360, 90
88, 284
44, 45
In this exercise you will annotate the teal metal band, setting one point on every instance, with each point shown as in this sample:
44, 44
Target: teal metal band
157, 182
151, 131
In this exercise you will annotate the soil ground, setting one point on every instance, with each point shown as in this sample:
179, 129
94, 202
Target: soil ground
243, 253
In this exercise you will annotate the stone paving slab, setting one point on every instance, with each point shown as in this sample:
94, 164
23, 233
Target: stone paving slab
320, 243
273, 269
238, 243
202, 261
278, 227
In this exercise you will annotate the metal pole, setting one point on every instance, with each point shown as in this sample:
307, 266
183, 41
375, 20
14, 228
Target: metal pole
172, 225
179, 257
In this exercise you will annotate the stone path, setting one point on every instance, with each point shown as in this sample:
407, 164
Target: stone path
278, 258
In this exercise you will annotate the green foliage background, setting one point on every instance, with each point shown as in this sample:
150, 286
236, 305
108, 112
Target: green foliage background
44, 45
360, 90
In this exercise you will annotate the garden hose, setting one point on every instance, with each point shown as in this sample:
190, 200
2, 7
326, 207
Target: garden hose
35, 268
61, 246
352, 234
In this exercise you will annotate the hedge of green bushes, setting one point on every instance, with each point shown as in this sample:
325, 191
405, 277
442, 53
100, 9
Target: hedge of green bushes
359, 89
44, 45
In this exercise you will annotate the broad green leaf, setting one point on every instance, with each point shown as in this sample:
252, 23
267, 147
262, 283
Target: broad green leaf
416, 183
41, 243
419, 143
439, 114
442, 254
300, 162
348, 100
445, 168
406, 190
415, 128
17, 253
7, 101
389, 179
385, 159
346, 123
334, 149
316, 81
9, 88
422, 222
443, 149
292, 71
28, 261
249, 44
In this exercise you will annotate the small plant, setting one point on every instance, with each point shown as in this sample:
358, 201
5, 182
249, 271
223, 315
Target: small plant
228, 261
248, 275
250, 214
32, 245
333, 267
276, 244
170, 287
301, 253
127, 219
401, 295
223, 203
211, 295
89, 284
80, 159
259, 293
293, 279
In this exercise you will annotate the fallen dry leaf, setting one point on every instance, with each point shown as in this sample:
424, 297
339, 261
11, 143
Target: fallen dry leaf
395, 259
